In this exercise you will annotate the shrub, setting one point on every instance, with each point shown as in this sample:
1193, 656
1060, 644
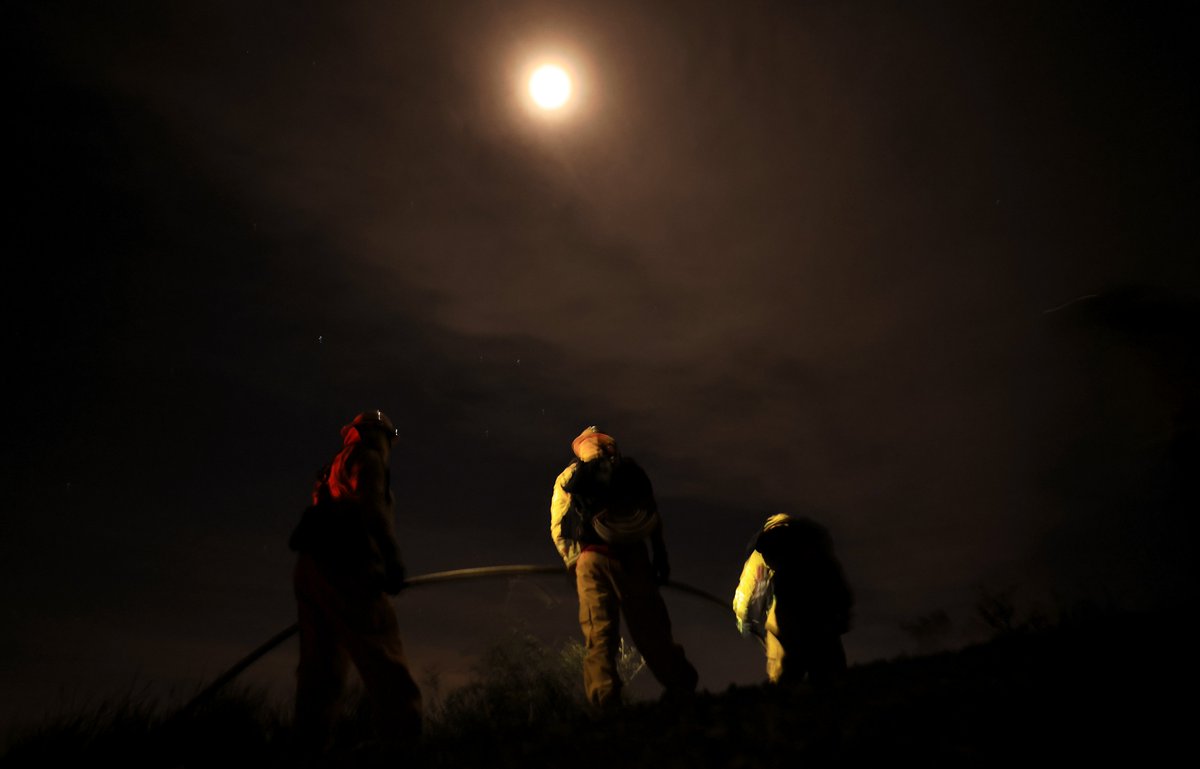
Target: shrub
519, 683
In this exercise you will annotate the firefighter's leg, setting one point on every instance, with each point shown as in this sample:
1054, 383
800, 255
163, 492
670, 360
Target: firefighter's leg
599, 619
321, 674
650, 627
825, 658
373, 642
774, 648
774, 658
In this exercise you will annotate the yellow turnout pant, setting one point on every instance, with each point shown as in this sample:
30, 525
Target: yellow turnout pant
811, 654
611, 585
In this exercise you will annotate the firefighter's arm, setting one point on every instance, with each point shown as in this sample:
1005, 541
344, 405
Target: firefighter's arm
658, 543
753, 570
560, 505
658, 553
371, 488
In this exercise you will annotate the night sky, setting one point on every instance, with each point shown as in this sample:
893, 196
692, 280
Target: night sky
925, 272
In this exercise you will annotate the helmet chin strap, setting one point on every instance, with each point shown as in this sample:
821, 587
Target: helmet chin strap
454, 575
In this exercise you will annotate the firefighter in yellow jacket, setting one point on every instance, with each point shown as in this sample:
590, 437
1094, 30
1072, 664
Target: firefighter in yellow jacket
602, 515
348, 563
794, 596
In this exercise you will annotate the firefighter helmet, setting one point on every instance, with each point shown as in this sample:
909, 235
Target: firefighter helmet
372, 418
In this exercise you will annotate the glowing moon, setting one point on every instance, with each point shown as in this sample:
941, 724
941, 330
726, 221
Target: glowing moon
550, 87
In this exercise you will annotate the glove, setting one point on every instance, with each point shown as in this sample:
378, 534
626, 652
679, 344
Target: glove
662, 568
393, 579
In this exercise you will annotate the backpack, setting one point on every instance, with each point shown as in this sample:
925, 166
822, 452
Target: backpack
612, 497
804, 571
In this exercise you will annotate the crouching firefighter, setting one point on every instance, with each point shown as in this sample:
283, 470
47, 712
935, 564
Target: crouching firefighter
793, 595
348, 563
602, 516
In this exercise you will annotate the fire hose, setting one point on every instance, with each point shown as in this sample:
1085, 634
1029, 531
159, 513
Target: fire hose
424, 579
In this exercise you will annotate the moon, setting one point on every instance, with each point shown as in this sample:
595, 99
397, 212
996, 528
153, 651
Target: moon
550, 87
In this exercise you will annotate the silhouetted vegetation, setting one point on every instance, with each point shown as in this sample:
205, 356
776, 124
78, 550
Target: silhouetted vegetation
238, 726
522, 692
1093, 685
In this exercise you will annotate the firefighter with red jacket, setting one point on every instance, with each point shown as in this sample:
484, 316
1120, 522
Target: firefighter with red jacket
348, 563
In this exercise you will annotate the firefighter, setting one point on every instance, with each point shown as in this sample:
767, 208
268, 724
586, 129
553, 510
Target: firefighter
348, 563
603, 515
794, 596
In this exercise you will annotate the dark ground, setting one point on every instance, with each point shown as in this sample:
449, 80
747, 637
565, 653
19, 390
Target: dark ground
1112, 688
1096, 690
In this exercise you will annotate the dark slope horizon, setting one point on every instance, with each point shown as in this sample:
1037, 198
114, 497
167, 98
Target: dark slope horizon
1095, 686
